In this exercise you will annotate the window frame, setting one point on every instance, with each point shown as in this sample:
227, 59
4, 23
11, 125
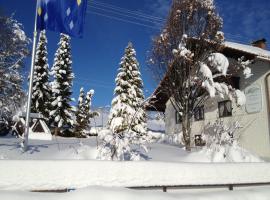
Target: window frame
201, 112
178, 118
225, 113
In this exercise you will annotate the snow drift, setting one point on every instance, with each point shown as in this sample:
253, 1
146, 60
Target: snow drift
46, 175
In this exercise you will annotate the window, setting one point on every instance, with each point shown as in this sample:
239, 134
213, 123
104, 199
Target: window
199, 141
225, 108
178, 118
235, 82
199, 113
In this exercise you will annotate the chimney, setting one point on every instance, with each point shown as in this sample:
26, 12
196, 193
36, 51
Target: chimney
260, 43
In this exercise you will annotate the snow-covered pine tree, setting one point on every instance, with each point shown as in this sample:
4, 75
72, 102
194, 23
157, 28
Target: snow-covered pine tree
88, 104
127, 113
127, 119
138, 121
79, 125
83, 113
87, 108
61, 112
41, 89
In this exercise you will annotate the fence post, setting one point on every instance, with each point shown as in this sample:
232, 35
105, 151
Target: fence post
230, 187
164, 189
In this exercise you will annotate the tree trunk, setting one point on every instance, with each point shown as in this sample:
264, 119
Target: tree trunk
56, 130
186, 132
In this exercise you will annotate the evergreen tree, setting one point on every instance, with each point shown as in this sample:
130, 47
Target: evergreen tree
83, 113
61, 113
80, 115
138, 123
87, 108
127, 120
127, 113
41, 89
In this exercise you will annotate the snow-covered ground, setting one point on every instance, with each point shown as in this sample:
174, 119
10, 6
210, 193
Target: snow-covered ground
73, 148
50, 165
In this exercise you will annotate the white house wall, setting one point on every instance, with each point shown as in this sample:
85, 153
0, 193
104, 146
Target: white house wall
255, 134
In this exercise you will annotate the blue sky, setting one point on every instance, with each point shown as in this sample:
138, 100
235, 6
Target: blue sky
96, 56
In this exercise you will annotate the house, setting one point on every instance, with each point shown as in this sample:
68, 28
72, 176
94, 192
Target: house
254, 117
38, 128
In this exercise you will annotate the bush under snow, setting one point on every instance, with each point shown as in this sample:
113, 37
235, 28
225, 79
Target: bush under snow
222, 144
115, 147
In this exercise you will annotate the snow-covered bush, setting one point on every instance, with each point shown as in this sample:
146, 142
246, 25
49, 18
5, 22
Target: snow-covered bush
115, 147
222, 143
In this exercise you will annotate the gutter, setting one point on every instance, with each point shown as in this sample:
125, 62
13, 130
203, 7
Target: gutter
263, 58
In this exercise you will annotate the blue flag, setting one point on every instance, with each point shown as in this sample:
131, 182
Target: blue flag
64, 16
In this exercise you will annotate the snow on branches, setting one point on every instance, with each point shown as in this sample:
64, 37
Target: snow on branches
14, 48
222, 143
61, 111
127, 120
41, 88
182, 51
83, 113
187, 55
219, 62
215, 65
244, 66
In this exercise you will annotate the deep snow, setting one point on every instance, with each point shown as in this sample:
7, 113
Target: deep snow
51, 165
74, 148
61, 174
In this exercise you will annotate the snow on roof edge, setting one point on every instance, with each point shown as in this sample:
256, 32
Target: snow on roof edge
261, 53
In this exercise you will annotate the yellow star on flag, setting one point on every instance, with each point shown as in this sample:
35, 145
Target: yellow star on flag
79, 2
39, 11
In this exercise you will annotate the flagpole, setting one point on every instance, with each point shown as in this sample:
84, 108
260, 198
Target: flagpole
28, 108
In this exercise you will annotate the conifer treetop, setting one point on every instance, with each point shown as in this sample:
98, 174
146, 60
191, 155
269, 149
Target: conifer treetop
41, 88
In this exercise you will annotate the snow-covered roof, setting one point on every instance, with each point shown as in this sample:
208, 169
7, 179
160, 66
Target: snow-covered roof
260, 53
33, 115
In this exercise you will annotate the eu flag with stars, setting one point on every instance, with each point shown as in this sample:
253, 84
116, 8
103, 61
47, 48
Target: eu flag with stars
64, 16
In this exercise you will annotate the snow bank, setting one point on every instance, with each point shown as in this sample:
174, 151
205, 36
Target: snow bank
41, 175
229, 154
105, 193
40, 136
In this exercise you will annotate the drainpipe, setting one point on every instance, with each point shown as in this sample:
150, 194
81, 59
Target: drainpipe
267, 86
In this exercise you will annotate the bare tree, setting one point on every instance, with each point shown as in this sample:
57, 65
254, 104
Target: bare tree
184, 57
